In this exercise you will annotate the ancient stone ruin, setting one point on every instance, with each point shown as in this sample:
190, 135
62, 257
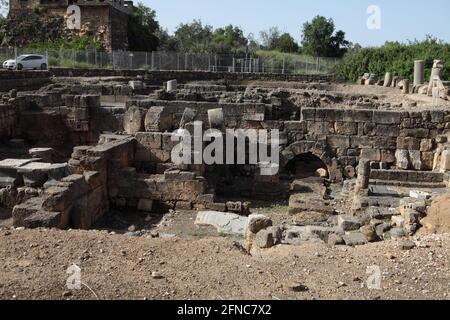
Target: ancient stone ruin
353, 168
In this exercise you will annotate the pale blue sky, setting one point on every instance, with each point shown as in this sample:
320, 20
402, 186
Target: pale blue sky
400, 19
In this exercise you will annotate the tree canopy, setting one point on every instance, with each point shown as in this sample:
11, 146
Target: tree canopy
142, 27
320, 38
273, 39
194, 36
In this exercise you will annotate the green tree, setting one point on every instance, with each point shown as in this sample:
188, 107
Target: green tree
2, 23
194, 36
286, 43
321, 40
270, 38
142, 27
229, 38
166, 41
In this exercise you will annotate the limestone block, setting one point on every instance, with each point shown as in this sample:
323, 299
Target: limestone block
34, 174
445, 161
336, 141
132, 120
45, 219
355, 239
149, 140
348, 223
226, 223
371, 154
158, 119
26, 209
416, 160
346, 128
402, 157
386, 117
188, 116
216, 118
171, 85
44, 154
8, 172
408, 143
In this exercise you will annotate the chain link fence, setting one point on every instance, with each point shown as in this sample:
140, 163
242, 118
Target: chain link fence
176, 61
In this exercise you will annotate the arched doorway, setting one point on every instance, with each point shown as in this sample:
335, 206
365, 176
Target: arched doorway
307, 165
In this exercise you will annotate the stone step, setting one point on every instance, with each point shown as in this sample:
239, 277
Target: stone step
407, 176
407, 184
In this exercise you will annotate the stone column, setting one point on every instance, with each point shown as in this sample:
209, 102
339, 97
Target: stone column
419, 72
405, 89
387, 80
363, 179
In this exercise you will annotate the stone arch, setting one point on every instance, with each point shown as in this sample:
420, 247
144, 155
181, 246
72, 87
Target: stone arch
318, 149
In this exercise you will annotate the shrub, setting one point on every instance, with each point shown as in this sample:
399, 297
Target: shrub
396, 58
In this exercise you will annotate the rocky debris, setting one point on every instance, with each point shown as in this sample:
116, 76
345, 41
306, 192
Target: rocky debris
437, 218
348, 223
258, 222
299, 235
259, 232
269, 237
369, 232
335, 240
407, 245
355, 239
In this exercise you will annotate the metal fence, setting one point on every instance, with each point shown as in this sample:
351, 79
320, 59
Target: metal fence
172, 61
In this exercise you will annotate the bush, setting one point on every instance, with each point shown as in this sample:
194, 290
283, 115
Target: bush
396, 58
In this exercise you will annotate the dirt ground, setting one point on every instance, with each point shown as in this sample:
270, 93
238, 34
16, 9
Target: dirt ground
34, 265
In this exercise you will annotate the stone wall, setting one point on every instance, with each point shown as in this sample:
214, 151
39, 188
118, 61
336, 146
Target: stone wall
8, 121
236, 115
78, 200
404, 139
23, 80
158, 77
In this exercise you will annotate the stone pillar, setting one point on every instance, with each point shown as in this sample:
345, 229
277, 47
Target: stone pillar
387, 80
419, 72
363, 179
405, 89
172, 85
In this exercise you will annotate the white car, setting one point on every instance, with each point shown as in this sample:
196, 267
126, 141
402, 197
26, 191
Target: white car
27, 61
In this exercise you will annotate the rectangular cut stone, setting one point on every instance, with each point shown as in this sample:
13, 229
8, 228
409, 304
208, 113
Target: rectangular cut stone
371, 154
336, 141
386, 117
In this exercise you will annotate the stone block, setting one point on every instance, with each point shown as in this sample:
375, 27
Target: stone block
226, 223
216, 118
355, 239
133, 120
149, 140
348, 223
346, 128
408, 143
158, 119
371, 154
386, 117
335, 141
